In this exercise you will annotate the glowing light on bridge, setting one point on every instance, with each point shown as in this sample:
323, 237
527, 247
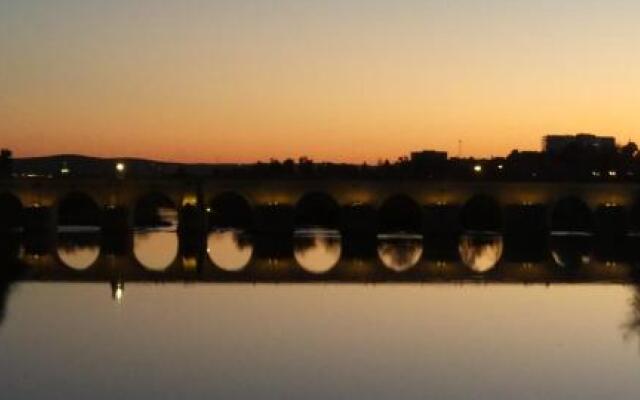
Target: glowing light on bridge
477, 168
190, 200
120, 168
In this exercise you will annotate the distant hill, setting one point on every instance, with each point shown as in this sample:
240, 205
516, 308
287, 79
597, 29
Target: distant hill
79, 165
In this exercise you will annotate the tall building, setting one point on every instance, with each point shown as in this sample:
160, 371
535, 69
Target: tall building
429, 157
556, 144
429, 162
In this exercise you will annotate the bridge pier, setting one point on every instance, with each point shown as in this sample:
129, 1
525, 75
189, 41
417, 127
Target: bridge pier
274, 219
40, 220
359, 221
117, 244
611, 222
526, 220
192, 250
117, 220
441, 220
39, 243
192, 220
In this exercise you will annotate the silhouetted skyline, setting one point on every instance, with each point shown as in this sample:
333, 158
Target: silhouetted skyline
577, 157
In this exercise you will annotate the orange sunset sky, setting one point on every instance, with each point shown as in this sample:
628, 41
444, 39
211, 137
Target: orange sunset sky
349, 80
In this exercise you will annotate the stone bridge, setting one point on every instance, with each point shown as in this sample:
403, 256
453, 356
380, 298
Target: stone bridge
346, 204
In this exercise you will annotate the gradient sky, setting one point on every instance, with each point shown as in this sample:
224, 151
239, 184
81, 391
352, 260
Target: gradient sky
204, 80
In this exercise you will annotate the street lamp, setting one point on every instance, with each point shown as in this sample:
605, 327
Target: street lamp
120, 168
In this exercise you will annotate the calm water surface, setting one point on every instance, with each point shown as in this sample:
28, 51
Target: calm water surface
460, 339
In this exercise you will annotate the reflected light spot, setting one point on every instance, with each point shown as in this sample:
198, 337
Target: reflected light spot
571, 251
117, 291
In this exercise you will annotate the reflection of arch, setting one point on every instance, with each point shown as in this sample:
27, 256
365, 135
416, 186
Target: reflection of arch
480, 253
481, 213
571, 214
317, 209
155, 250
230, 209
400, 213
155, 209
78, 251
10, 211
78, 209
317, 251
229, 250
400, 253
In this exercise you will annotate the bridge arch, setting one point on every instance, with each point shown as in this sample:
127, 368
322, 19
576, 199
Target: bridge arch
481, 213
78, 209
230, 210
11, 211
317, 209
400, 213
155, 209
571, 214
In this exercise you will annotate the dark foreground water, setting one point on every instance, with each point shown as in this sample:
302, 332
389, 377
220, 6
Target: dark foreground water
77, 324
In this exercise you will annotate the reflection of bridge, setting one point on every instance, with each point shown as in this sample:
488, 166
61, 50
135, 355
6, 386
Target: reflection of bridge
562, 259
274, 203
277, 260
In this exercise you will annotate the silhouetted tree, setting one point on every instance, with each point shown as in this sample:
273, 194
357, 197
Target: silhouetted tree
6, 163
629, 151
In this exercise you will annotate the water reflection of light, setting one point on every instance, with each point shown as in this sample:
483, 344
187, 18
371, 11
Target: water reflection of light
317, 250
229, 249
480, 253
117, 291
78, 257
399, 252
570, 251
155, 249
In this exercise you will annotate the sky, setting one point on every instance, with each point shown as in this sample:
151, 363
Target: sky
341, 80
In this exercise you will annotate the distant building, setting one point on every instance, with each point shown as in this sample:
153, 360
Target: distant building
557, 144
429, 158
